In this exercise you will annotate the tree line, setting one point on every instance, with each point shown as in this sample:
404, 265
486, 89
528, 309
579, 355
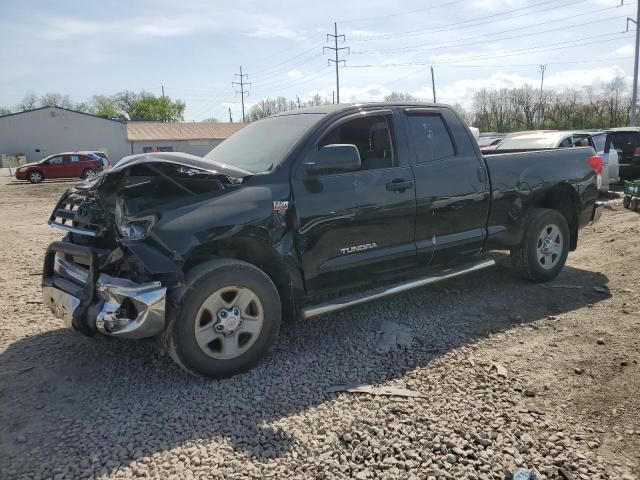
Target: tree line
126, 105
501, 110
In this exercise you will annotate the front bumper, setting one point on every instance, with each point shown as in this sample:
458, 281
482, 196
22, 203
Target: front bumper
89, 301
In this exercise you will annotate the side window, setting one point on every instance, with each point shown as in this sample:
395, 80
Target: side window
165, 149
372, 135
565, 143
148, 149
55, 160
430, 137
74, 158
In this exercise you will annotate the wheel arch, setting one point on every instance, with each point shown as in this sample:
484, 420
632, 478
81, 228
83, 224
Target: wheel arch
253, 250
564, 199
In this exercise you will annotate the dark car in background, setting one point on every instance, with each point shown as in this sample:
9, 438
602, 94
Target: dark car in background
61, 165
627, 141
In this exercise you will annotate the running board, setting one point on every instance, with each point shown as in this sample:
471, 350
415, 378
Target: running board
380, 292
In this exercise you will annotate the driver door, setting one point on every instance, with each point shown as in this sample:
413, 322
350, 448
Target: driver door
55, 167
355, 227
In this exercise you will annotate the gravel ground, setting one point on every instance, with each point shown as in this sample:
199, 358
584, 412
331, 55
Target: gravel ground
511, 374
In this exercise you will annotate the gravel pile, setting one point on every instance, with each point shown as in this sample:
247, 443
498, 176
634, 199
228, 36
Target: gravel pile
127, 412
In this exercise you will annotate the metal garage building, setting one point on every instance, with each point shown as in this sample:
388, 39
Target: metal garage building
44, 131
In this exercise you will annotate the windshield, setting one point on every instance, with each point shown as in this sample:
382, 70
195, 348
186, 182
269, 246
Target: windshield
261, 145
528, 142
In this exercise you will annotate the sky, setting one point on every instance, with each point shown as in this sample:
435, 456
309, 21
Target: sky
193, 48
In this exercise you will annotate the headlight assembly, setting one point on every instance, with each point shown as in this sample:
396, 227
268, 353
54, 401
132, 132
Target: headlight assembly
136, 229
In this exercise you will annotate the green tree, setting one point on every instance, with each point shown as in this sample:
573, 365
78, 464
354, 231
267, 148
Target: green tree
146, 106
4, 111
55, 100
29, 102
104, 106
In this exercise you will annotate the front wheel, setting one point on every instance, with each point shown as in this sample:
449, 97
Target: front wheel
230, 317
544, 248
35, 177
88, 173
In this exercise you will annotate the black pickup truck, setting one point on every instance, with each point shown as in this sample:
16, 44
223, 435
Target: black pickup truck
299, 215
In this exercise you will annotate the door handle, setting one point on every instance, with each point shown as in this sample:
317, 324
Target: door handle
398, 185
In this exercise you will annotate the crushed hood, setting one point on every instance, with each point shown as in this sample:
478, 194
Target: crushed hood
179, 158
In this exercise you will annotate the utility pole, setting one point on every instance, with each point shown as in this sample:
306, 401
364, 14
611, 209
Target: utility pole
634, 94
543, 68
298, 102
230, 117
336, 50
333, 96
162, 87
242, 91
433, 85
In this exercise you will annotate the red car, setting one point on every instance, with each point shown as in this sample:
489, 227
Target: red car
61, 165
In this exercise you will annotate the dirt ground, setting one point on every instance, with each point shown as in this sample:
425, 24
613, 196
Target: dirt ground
571, 355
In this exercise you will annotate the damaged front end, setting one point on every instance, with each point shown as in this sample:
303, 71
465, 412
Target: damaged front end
112, 273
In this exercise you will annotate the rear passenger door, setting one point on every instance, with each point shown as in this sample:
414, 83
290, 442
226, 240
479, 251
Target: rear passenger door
452, 185
75, 166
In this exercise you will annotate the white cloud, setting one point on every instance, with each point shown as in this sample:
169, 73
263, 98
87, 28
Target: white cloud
129, 28
368, 93
626, 50
461, 91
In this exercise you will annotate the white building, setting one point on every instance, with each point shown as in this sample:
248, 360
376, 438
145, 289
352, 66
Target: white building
44, 131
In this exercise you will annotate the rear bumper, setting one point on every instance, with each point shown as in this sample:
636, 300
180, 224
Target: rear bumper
90, 302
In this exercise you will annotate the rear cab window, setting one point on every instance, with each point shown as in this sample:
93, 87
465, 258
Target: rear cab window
431, 138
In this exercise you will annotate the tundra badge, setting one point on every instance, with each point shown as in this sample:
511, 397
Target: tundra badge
359, 248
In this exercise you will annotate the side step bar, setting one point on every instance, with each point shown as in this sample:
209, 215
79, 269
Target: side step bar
380, 292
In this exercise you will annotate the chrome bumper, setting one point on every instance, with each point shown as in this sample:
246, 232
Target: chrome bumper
126, 309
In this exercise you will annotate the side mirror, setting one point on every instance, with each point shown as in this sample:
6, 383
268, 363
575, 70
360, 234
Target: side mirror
336, 158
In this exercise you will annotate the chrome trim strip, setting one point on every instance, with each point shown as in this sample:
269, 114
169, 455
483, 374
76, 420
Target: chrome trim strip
69, 270
79, 231
358, 298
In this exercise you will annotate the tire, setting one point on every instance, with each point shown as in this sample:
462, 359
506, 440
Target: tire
35, 176
633, 205
626, 201
88, 172
545, 246
215, 334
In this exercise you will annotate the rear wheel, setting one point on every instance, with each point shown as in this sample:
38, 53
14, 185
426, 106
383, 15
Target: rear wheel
229, 319
626, 201
88, 173
633, 205
545, 246
35, 177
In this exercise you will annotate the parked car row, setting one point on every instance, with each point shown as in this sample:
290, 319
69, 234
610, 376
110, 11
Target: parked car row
619, 148
82, 164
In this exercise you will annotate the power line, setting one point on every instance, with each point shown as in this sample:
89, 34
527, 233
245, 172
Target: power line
337, 61
465, 23
411, 12
449, 44
242, 91
522, 51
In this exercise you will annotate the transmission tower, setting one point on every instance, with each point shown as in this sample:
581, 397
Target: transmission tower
242, 83
337, 60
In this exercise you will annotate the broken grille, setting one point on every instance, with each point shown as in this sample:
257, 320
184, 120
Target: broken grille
74, 213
